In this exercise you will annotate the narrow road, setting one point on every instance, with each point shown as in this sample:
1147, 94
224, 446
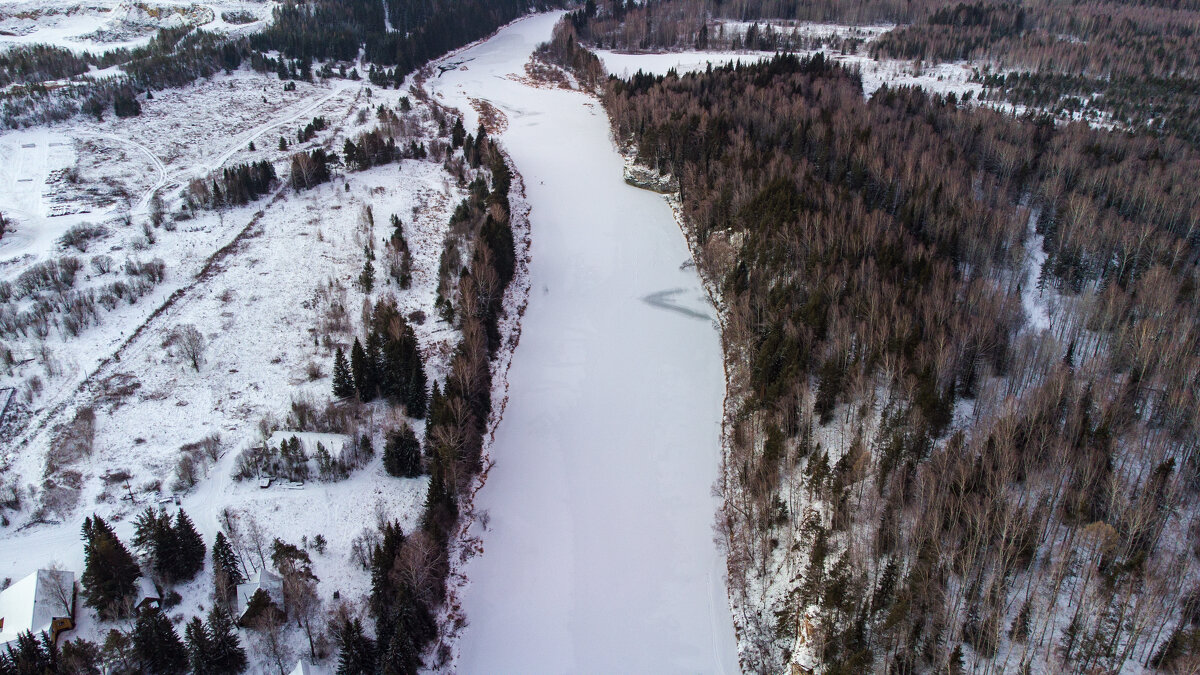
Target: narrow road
599, 555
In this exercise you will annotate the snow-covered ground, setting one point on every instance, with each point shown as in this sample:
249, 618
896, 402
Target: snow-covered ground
262, 310
941, 78
598, 545
100, 25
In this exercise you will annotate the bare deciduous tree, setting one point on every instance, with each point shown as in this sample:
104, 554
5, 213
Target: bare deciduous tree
191, 345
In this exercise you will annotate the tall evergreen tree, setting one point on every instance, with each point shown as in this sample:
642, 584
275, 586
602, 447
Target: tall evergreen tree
402, 455
109, 573
357, 651
199, 647
374, 362
154, 540
30, 654
190, 549
225, 656
457, 134
343, 383
359, 369
226, 572
157, 646
366, 280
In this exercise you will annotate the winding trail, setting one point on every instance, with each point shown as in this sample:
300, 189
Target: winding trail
162, 169
599, 554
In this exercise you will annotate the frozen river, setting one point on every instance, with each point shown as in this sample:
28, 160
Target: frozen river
599, 556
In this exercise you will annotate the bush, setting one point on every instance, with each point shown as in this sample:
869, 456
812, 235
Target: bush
81, 235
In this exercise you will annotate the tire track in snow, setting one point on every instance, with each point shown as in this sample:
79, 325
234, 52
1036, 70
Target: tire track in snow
254, 134
43, 419
162, 169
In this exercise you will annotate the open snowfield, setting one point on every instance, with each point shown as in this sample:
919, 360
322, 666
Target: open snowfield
941, 78
100, 25
598, 550
262, 307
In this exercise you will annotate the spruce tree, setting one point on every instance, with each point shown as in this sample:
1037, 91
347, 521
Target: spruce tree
458, 134
358, 369
31, 654
190, 551
402, 455
199, 647
157, 646
343, 384
227, 655
357, 654
225, 561
375, 373
109, 571
154, 540
366, 280
416, 393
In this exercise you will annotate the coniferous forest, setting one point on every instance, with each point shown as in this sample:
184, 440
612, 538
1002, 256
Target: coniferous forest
1133, 64
957, 461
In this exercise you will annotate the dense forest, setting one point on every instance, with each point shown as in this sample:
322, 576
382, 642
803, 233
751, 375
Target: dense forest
945, 454
1135, 64
399, 35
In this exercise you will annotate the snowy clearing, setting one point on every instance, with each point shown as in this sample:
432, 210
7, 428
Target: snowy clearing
261, 283
100, 25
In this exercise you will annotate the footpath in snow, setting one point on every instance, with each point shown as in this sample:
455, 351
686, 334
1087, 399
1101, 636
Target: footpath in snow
599, 553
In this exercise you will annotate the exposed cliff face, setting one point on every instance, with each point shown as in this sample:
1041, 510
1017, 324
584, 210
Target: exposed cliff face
641, 176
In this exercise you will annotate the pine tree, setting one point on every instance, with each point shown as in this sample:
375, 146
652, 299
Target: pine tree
414, 386
375, 372
154, 540
227, 655
402, 455
199, 647
79, 657
366, 280
29, 654
157, 646
190, 549
458, 134
226, 572
357, 655
359, 369
110, 573
225, 560
343, 384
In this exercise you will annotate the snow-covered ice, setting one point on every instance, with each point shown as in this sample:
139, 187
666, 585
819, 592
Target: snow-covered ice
599, 552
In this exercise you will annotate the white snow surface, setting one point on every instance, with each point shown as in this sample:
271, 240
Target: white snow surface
942, 78
259, 311
598, 551
100, 25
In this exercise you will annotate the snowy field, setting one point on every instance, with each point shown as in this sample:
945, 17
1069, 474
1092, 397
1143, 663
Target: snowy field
100, 25
257, 281
598, 546
941, 78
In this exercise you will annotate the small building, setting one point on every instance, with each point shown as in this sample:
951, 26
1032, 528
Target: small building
268, 582
43, 602
149, 597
